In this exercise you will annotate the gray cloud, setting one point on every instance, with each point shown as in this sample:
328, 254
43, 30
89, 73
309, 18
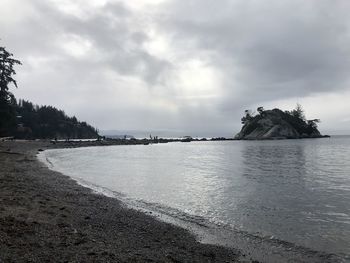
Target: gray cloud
209, 61
270, 50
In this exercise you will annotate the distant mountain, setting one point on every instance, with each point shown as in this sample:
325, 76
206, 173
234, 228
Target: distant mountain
119, 136
277, 124
170, 133
140, 133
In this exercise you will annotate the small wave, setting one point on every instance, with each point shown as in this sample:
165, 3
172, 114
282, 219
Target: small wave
228, 233
263, 248
44, 159
49, 162
268, 248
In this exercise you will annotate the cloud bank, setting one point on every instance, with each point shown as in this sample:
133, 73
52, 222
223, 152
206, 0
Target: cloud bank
190, 67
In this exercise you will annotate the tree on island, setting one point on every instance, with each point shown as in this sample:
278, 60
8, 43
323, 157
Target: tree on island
7, 99
313, 123
298, 112
260, 110
248, 115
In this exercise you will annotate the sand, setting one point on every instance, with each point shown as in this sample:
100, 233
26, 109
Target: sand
47, 217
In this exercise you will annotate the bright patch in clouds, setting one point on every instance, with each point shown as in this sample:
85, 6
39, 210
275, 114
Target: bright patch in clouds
143, 4
79, 8
159, 46
197, 80
75, 45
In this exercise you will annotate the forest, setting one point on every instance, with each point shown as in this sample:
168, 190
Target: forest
47, 122
24, 120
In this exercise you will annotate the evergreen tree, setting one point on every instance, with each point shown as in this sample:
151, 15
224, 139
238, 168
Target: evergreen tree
298, 112
7, 99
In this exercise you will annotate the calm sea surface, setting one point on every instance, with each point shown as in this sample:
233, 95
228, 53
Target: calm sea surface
295, 191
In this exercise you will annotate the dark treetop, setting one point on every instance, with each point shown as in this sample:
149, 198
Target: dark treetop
7, 100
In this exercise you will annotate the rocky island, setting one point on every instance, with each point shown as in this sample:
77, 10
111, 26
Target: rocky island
278, 124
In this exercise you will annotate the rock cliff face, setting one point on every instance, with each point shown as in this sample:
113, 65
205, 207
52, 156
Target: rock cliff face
276, 124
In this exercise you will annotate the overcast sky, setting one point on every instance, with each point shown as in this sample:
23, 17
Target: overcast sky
189, 67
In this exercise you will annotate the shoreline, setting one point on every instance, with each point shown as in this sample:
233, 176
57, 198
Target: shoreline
73, 210
46, 215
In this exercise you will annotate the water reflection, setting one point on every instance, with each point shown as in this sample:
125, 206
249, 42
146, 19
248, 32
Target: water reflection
277, 169
292, 198
294, 190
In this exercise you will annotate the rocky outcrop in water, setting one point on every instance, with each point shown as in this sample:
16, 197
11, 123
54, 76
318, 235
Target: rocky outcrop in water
277, 124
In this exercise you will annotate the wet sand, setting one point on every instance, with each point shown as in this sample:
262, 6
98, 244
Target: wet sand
47, 217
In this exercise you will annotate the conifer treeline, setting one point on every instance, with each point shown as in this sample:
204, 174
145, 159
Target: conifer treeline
47, 122
27, 121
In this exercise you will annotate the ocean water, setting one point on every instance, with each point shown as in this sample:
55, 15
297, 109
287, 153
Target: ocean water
293, 193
